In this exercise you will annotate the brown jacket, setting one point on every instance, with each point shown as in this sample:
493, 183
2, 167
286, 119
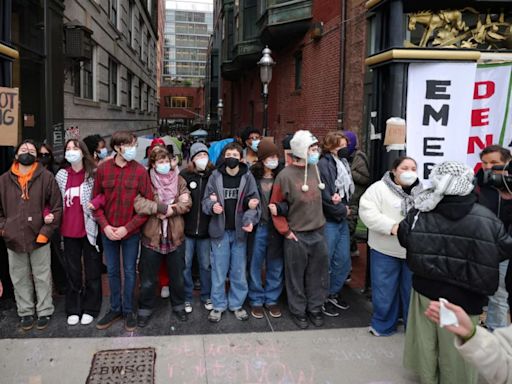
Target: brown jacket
21, 221
152, 229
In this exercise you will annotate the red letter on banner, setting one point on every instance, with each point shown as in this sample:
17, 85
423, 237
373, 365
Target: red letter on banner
480, 117
489, 88
475, 141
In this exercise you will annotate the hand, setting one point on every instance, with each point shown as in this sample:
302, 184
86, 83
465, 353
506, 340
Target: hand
1, 289
170, 211
121, 232
248, 228
110, 233
161, 216
48, 219
394, 230
217, 209
291, 236
465, 327
336, 199
349, 211
213, 197
273, 209
91, 206
253, 203
184, 198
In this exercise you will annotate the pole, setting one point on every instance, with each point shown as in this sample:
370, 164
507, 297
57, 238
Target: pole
265, 109
219, 130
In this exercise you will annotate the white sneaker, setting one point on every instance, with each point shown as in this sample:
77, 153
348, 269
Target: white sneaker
208, 305
86, 319
73, 320
188, 307
164, 293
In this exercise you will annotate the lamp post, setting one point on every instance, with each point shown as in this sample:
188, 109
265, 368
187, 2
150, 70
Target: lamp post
266, 63
208, 123
220, 110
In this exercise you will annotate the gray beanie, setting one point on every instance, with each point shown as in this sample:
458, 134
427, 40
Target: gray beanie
196, 148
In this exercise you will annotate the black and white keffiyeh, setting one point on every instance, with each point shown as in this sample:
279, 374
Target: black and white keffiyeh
407, 199
447, 178
343, 183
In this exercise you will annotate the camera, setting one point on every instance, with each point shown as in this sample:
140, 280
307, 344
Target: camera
502, 180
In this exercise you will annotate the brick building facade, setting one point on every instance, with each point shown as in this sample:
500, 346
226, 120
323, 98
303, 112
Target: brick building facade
181, 108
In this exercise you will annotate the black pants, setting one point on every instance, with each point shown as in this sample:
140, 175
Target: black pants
149, 265
80, 297
60, 280
306, 264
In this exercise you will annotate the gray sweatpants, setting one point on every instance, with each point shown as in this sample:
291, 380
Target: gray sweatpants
29, 270
306, 265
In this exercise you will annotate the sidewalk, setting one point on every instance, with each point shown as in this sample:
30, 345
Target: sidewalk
349, 356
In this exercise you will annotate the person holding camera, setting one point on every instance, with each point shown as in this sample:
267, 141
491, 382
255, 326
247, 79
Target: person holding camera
493, 194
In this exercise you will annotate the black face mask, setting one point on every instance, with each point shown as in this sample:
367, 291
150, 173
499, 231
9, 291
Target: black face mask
26, 159
343, 153
45, 159
231, 162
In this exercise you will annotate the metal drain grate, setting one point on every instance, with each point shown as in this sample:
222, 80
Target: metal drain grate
123, 366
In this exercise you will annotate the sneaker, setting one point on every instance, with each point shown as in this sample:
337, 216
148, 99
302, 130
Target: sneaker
208, 305
257, 312
73, 320
27, 322
337, 302
43, 321
165, 293
349, 278
214, 316
188, 307
300, 321
106, 321
130, 322
142, 321
373, 331
86, 319
181, 315
328, 309
241, 314
273, 310
317, 318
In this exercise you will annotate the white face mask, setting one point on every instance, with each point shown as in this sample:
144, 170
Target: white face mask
271, 164
201, 163
408, 178
73, 156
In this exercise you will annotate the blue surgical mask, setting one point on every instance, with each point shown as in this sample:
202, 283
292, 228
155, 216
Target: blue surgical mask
271, 164
313, 158
73, 156
103, 153
130, 153
254, 145
163, 169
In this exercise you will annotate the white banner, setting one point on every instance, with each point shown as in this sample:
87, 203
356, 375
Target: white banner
439, 101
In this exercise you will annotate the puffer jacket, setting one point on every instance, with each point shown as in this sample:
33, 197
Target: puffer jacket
457, 245
196, 221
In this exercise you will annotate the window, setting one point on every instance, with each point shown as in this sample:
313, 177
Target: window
141, 29
250, 13
298, 70
84, 75
129, 89
140, 95
130, 23
148, 44
112, 11
179, 101
146, 95
112, 76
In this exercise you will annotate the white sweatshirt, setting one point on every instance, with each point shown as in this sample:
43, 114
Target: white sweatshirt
379, 209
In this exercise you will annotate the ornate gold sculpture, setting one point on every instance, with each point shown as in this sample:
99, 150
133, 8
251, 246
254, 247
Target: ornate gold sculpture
448, 29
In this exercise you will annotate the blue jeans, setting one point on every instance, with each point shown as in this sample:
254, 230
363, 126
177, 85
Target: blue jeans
202, 248
228, 257
337, 236
259, 295
391, 287
497, 309
130, 251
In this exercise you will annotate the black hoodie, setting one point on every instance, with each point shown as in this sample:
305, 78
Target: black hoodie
196, 222
454, 251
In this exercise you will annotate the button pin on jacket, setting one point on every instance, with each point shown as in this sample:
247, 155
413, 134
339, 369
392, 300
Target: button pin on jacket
193, 185
29, 218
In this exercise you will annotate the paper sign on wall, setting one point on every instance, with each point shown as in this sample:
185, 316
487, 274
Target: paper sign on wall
9, 100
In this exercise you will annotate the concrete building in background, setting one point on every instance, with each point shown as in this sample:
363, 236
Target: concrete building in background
112, 84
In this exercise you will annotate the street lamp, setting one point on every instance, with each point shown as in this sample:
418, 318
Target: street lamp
220, 110
208, 122
266, 63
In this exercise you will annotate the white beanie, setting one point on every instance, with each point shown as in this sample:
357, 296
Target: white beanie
299, 144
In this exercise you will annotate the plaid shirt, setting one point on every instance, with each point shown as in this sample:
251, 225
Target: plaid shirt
120, 186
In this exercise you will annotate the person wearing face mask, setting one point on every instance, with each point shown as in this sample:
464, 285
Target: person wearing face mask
267, 247
25, 190
97, 147
306, 259
232, 201
251, 138
339, 188
120, 179
79, 231
163, 234
381, 208
197, 240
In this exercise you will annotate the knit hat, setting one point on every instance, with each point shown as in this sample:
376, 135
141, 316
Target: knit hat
352, 141
299, 144
197, 148
157, 141
247, 132
447, 178
267, 148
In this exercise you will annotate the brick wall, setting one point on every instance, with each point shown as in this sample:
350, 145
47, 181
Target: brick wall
182, 113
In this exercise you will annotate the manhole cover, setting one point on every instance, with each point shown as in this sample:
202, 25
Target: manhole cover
123, 366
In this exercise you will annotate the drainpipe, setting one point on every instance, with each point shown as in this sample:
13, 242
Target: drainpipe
343, 34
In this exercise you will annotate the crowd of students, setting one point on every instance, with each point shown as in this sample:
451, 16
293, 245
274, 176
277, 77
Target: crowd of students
256, 223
